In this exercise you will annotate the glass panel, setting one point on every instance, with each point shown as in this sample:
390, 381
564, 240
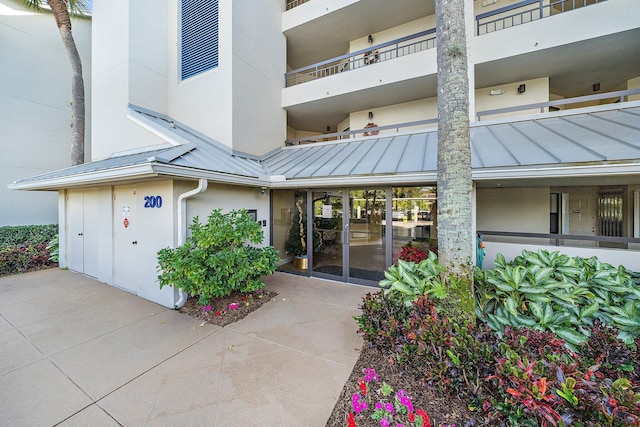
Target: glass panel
290, 229
366, 234
327, 232
414, 219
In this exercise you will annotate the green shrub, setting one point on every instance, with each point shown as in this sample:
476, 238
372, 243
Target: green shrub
54, 248
552, 291
216, 260
18, 259
409, 280
27, 234
524, 377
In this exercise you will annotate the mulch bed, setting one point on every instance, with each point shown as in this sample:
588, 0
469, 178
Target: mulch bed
217, 312
441, 409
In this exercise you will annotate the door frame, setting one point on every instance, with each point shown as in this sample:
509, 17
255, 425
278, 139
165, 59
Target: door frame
346, 235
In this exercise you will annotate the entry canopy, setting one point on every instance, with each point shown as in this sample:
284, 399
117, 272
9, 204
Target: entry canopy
592, 141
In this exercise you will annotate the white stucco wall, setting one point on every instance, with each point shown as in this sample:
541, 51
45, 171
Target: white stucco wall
513, 209
259, 64
35, 114
115, 71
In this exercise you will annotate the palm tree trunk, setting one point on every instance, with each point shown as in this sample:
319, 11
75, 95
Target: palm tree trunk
455, 243
63, 21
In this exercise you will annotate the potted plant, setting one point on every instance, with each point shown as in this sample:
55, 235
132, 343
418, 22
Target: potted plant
296, 243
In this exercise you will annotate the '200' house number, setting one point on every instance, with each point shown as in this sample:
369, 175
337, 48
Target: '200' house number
152, 201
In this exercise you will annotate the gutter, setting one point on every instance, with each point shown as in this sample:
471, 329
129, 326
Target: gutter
182, 228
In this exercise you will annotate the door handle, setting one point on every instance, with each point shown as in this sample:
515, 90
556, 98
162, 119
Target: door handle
135, 242
80, 234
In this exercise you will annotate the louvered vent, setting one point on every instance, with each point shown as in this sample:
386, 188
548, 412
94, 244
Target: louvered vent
199, 36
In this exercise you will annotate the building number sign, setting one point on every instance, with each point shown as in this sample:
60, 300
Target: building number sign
152, 201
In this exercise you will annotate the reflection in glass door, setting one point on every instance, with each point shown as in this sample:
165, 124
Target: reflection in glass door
367, 245
328, 248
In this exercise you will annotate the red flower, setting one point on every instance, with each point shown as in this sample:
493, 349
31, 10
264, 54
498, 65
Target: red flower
244, 298
412, 417
351, 420
218, 313
362, 386
425, 418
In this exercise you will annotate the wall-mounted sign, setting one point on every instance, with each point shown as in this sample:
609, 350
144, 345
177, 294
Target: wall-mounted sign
152, 201
126, 211
125, 223
326, 211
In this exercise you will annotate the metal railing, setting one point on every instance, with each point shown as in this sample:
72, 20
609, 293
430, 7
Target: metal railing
559, 239
524, 12
371, 55
347, 134
294, 3
620, 95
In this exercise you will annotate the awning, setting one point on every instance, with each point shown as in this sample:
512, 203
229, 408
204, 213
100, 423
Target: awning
593, 141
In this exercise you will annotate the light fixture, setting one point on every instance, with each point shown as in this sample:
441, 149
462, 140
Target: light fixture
370, 39
263, 190
370, 115
495, 92
596, 87
522, 88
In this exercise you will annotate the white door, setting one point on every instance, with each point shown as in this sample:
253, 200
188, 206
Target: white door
143, 224
75, 231
82, 233
91, 221
125, 244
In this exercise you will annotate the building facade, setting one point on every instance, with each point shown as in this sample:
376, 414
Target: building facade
320, 117
35, 114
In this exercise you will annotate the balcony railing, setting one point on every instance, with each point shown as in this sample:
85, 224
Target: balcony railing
365, 132
525, 11
371, 55
543, 106
294, 3
561, 239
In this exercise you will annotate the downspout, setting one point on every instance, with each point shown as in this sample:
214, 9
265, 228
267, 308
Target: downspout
182, 228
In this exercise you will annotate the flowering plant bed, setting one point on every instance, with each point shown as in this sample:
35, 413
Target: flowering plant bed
408, 395
228, 309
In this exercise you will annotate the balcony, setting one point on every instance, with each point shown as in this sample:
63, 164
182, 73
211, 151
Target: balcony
379, 53
554, 107
524, 12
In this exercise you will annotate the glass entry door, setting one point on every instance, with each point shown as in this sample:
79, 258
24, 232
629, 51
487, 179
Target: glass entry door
349, 235
367, 243
328, 236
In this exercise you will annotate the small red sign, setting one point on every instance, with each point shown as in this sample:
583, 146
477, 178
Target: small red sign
126, 223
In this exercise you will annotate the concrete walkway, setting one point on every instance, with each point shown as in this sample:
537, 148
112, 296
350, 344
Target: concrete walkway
76, 352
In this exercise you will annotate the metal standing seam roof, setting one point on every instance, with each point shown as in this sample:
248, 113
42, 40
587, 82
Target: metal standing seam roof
593, 136
587, 136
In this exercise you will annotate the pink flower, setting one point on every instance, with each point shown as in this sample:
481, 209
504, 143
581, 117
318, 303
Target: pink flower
370, 374
405, 399
233, 306
358, 406
384, 422
206, 308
